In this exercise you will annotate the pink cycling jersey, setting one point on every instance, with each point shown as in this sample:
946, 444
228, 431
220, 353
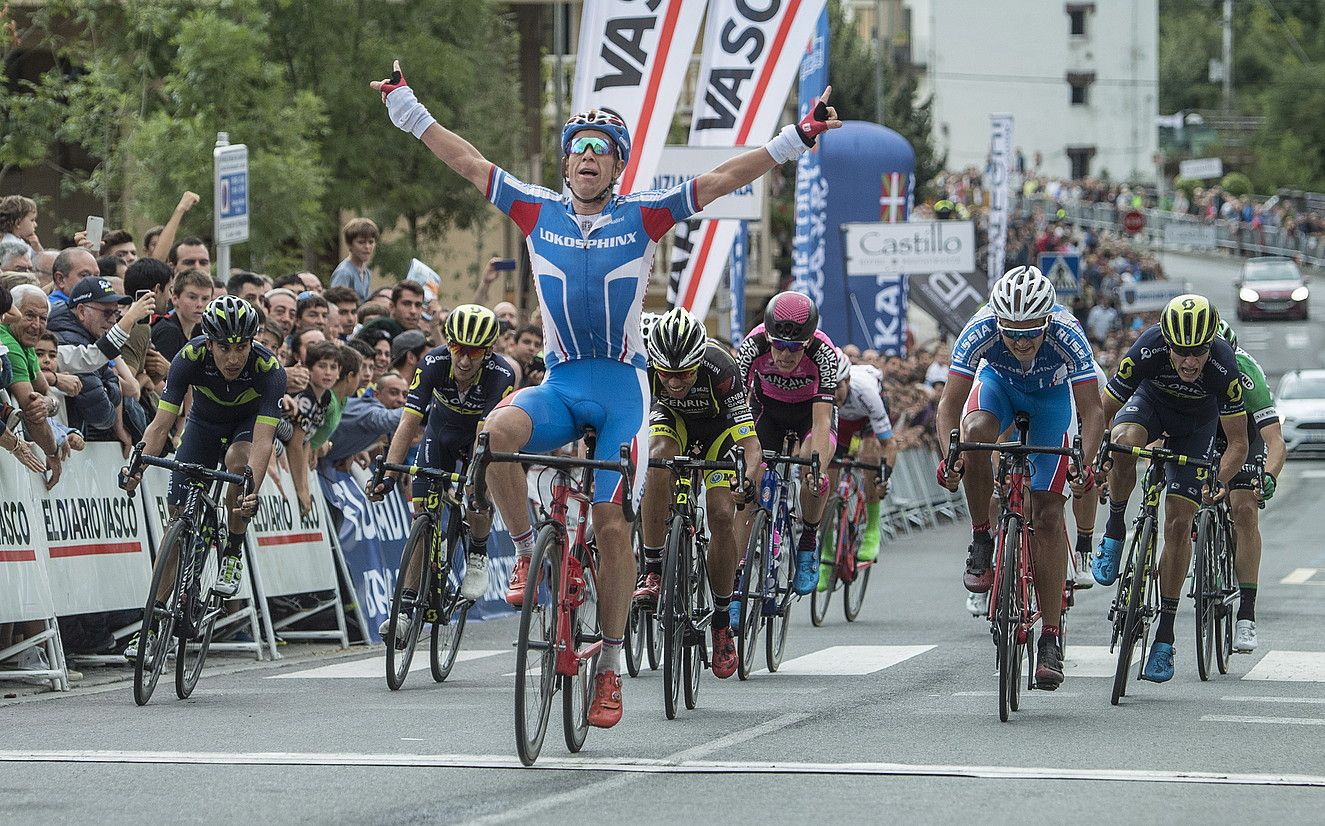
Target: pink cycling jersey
814, 379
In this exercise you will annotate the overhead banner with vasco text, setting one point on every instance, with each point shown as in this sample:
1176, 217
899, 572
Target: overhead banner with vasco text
751, 55
632, 59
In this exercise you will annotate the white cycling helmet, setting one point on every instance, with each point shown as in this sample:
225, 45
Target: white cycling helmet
1023, 293
843, 365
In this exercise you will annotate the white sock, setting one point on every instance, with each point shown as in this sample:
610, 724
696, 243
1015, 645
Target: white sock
609, 658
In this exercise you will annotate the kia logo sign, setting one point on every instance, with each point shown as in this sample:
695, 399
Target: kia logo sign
909, 248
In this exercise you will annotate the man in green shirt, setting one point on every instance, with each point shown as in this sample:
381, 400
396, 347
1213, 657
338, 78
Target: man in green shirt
28, 389
1265, 440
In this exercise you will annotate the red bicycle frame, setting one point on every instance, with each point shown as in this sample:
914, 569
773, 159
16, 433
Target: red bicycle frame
572, 582
1015, 485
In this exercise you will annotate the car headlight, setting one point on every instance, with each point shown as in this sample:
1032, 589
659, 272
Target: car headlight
1249, 295
1300, 294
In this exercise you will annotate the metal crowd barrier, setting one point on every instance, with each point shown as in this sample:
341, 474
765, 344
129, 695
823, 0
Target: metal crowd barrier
915, 501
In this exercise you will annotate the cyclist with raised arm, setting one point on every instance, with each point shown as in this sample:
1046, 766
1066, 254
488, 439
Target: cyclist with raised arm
861, 412
699, 409
591, 252
237, 387
1248, 489
1036, 359
1180, 380
789, 367
453, 389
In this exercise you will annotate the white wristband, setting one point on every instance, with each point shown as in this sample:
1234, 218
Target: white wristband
407, 113
786, 145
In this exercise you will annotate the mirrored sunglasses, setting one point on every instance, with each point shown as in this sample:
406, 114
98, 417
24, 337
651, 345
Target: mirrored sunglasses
789, 346
468, 351
599, 146
1023, 335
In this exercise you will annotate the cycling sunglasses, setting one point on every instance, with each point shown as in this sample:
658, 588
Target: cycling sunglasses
468, 351
599, 146
1023, 335
788, 346
1189, 352
677, 374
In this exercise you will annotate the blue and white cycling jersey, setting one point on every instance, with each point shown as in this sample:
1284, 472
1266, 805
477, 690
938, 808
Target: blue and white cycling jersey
1064, 357
591, 284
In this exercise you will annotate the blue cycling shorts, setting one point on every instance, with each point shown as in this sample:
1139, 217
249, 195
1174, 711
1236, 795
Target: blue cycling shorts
610, 396
1052, 421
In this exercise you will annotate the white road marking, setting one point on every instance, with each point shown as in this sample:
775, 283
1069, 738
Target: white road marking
1280, 721
1297, 339
1309, 700
522, 813
373, 667
1290, 666
1313, 474
1300, 576
677, 764
1089, 661
851, 660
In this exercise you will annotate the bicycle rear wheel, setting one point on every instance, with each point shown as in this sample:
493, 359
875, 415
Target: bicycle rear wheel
635, 621
1133, 588
672, 609
452, 610
750, 593
584, 631
152, 658
783, 571
535, 651
830, 540
400, 642
1007, 616
1204, 593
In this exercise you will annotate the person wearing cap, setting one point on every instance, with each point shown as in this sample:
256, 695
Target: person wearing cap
406, 350
98, 410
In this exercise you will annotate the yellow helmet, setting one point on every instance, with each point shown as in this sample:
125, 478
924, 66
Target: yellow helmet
1189, 321
471, 325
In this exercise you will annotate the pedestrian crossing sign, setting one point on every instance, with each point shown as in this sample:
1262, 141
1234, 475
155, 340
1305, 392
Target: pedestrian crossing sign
1064, 270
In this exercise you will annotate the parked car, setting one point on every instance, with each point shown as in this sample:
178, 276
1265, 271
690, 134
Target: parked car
1300, 401
1271, 287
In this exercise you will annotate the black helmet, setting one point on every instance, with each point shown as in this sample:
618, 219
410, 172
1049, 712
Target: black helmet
230, 319
677, 341
791, 316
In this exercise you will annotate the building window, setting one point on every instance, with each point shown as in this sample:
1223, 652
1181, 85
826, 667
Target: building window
1076, 18
1079, 83
1078, 157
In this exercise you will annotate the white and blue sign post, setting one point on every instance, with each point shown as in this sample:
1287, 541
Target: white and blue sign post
1064, 270
229, 199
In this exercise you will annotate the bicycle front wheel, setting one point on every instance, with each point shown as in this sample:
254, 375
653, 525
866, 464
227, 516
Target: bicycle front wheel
448, 628
1132, 590
751, 594
584, 631
1205, 593
154, 637
1007, 616
672, 610
1226, 585
535, 649
783, 569
400, 642
697, 605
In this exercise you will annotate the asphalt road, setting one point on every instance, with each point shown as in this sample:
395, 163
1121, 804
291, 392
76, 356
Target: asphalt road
914, 737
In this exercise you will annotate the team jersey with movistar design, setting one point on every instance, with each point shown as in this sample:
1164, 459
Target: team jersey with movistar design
1147, 361
257, 390
718, 390
434, 391
814, 379
1064, 356
591, 284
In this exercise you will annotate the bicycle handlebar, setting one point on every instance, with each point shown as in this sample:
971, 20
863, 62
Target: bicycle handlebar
195, 472
477, 476
881, 468
685, 464
380, 466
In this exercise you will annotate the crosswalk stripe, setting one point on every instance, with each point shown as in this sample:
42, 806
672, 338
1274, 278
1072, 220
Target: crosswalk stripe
374, 667
1273, 721
851, 660
1290, 666
1089, 661
1299, 576
1294, 700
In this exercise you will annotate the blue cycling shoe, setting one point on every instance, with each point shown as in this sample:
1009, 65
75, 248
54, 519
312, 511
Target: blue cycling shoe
1159, 665
1104, 567
807, 572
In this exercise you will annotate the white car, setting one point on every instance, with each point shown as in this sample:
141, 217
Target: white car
1300, 401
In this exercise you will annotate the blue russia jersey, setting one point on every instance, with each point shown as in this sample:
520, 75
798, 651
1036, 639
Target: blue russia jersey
591, 288
1064, 356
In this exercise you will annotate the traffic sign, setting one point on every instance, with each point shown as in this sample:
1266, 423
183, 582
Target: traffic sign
1134, 221
230, 193
1064, 270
